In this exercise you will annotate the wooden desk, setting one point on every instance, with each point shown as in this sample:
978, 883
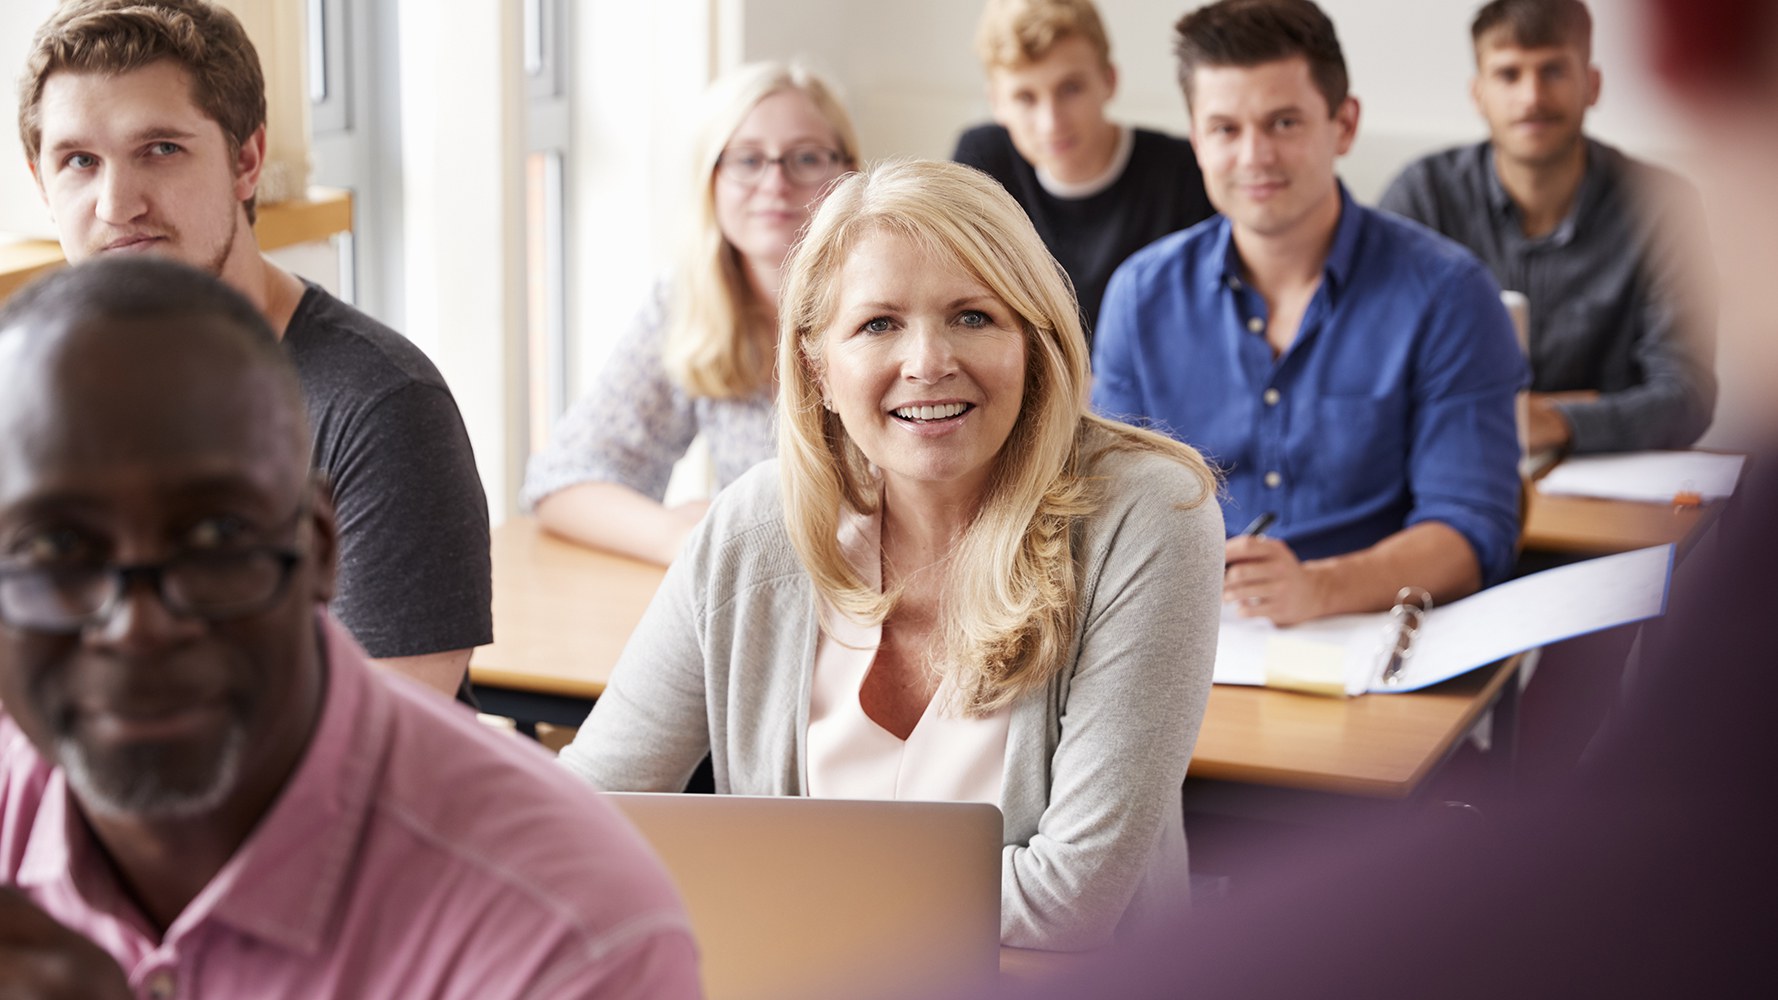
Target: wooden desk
324, 213
22, 260
562, 614
1600, 527
1376, 745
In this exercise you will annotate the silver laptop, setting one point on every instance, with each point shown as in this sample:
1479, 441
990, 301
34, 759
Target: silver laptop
804, 898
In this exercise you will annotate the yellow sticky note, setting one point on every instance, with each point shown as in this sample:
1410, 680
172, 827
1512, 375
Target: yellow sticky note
1305, 665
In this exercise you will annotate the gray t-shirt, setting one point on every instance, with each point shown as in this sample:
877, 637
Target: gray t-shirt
1612, 304
414, 564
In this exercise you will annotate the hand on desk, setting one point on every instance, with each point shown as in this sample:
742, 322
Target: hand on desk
618, 519
1264, 579
42, 959
1547, 428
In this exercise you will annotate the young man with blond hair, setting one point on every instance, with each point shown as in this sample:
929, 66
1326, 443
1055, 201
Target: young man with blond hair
1097, 191
143, 122
1601, 244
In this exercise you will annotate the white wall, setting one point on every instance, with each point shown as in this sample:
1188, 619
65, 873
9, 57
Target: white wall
21, 207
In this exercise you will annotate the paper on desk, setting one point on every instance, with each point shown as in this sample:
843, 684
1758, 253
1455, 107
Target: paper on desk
1652, 476
1248, 649
1522, 614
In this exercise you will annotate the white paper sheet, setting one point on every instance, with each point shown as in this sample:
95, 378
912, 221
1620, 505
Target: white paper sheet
1652, 476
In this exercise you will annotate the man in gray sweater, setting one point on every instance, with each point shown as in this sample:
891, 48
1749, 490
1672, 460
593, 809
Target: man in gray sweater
1620, 338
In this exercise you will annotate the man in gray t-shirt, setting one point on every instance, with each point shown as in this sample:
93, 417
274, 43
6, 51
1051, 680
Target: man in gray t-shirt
156, 146
1620, 341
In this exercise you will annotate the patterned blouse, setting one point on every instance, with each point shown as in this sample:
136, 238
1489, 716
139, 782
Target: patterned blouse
637, 422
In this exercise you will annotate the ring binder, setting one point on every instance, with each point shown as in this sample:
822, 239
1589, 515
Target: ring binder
1413, 646
1412, 604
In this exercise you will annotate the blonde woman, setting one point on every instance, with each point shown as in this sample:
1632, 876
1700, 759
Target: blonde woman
955, 583
770, 139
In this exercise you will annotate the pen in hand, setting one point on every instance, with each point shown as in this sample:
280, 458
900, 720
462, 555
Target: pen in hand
1256, 529
1258, 525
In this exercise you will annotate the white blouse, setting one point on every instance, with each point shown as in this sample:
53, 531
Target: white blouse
948, 757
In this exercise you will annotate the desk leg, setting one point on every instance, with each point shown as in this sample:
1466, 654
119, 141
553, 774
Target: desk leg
1505, 744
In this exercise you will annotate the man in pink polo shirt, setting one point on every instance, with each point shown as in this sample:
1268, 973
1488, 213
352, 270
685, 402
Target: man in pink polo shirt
205, 790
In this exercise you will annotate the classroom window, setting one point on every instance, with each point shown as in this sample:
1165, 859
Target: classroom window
546, 215
329, 67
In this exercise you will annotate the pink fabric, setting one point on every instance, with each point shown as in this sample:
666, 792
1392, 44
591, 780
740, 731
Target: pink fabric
947, 758
414, 853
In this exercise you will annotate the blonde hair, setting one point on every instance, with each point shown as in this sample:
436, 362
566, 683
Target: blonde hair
1009, 607
1016, 33
718, 342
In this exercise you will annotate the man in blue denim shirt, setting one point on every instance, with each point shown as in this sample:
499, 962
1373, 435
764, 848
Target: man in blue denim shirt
1352, 374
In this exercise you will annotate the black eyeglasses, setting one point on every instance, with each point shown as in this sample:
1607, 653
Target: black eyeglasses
803, 166
215, 585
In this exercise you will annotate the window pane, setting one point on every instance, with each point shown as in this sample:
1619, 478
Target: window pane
546, 290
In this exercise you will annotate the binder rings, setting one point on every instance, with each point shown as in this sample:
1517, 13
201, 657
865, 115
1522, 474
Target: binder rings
1416, 645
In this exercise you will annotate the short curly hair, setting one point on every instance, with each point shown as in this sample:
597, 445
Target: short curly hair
1016, 33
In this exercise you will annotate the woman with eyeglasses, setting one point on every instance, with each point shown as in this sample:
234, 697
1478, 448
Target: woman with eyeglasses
770, 139
955, 583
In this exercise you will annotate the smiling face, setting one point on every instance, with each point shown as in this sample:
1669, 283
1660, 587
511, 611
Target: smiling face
155, 714
131, 164
1535, 100
1054, 110
924, 365
763, 219
1266, 145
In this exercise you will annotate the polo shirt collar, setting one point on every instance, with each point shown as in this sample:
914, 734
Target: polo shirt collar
286, 882
61, 852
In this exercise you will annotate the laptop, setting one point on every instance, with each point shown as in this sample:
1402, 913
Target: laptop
797, 898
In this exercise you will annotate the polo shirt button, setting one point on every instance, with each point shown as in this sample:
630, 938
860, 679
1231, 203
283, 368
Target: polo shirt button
1271, 397
1235, 283
1256, 325
161, 985
1273, 480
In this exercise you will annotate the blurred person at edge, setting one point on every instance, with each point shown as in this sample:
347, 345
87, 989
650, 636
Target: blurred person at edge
1649, 872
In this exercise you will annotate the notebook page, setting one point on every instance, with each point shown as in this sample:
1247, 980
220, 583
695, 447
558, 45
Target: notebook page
1651, 476
1245, 645
1537, 610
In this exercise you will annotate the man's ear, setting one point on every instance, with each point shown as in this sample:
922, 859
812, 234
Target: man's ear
1347, 119
1595, 82
324, 549
1110, 81
249, 162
